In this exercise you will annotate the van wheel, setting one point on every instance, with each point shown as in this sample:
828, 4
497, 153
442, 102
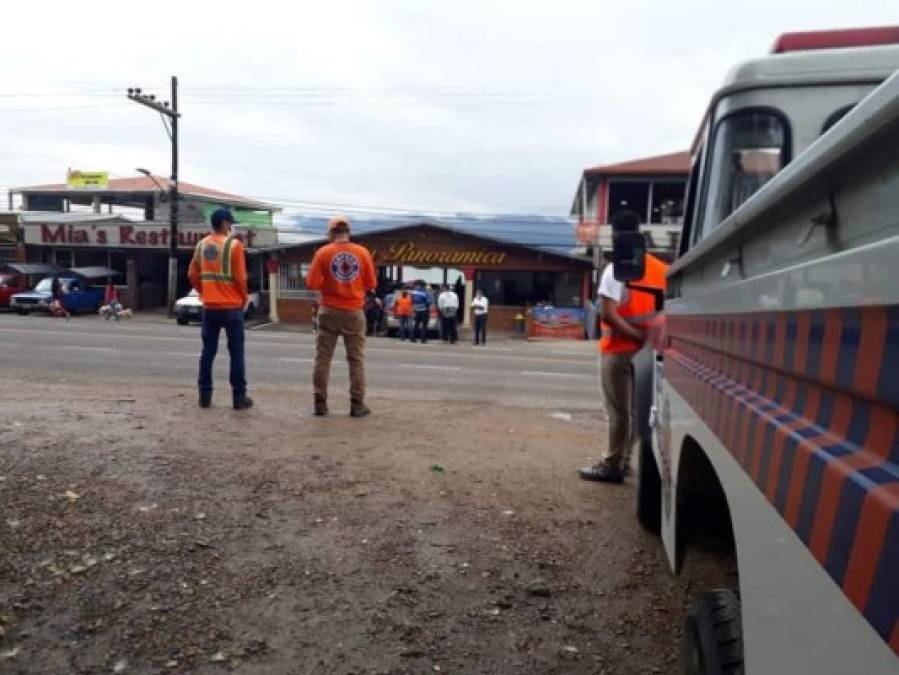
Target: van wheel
713, 636
649, 490
182, 321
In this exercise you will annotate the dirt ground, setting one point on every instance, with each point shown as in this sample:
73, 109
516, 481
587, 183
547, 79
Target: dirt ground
139, 534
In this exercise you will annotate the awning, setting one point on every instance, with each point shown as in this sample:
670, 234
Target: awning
32, 268
94, 272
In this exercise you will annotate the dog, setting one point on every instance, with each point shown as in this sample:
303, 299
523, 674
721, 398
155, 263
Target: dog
105, 310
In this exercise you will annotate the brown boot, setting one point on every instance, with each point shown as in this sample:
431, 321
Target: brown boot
359, 409
321, 406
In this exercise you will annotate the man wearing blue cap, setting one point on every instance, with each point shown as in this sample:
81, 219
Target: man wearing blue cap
218, 271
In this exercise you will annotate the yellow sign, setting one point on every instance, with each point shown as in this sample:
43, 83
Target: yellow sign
87, 179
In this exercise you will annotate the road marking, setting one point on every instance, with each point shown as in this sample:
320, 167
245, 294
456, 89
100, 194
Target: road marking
89, 349
540, 373
429, 367
192, 355
290, 359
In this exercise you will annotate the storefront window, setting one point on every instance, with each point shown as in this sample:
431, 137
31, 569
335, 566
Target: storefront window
562, 289
293, 278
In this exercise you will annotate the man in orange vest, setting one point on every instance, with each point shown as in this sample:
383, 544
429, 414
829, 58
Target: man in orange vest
343, 272
218, 271
625, 315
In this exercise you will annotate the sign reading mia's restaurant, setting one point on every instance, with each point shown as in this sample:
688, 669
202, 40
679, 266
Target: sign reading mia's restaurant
131, 235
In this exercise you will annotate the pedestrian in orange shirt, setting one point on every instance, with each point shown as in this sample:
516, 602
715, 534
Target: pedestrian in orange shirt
402, 310
218, 271
343, 272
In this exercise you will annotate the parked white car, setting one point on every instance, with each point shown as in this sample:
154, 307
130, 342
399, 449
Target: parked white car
190, 307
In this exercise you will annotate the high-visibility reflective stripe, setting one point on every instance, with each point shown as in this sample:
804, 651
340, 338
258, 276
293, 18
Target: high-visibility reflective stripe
226, 257
214, 276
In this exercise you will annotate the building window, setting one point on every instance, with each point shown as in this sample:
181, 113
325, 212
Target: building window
629, 195
748, 149
667, 203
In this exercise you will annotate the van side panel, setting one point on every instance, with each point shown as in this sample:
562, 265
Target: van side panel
807, 405
795, 619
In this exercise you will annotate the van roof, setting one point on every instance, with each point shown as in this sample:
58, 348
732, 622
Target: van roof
813, 66
848, 65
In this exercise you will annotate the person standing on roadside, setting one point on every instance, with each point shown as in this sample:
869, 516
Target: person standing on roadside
625, 313
57, 307
448, 306
402, 310
480, 306
421, 310
218, 272
342, 272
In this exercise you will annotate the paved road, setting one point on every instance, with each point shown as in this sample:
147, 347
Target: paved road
511, 372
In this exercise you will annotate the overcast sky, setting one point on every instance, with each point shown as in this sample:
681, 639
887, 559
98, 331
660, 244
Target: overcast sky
452, 106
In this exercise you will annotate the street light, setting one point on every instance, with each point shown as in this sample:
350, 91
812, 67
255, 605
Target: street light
170, 117
150, 175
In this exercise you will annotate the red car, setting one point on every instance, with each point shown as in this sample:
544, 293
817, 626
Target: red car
9, 285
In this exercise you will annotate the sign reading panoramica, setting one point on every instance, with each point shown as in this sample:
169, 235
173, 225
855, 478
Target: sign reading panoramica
407, 253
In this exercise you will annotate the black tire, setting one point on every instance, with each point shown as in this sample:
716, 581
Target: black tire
182, 320
649, 490
21, 312
713, 636
250, 312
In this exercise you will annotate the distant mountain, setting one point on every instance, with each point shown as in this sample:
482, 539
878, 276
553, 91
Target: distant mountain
549, 232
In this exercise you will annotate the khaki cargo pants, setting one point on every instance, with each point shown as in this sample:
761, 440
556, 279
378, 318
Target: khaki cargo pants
332, 324
617, 372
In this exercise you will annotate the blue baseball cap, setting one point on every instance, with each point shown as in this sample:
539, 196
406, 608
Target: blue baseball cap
221, 215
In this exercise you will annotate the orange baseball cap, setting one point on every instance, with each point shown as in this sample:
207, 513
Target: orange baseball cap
338, 223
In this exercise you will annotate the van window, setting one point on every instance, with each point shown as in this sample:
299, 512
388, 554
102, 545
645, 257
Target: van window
835, 117
749, 148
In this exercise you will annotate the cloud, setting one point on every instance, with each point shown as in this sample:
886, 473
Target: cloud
483, 105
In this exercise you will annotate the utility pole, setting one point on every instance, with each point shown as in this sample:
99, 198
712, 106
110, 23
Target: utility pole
170, 115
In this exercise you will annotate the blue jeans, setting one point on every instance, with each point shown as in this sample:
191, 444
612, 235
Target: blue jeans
214, 320
405, 326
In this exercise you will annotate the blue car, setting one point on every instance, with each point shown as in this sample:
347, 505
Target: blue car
77, 296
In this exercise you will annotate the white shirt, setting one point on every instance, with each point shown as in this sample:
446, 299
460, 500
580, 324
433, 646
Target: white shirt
611, 288
480, 305
448, 300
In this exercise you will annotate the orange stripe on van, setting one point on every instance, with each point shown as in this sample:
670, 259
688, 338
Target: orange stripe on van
870, 536
830, 349
873, 338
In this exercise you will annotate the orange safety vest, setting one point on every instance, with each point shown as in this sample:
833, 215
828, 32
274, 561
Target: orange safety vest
218, 271
638, 309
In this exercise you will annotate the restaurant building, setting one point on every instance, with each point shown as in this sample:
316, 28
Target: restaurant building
123, 225
513, 276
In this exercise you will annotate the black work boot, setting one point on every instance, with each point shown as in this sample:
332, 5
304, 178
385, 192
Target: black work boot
205, 399
321, 406
602, 473
359, 409
243, 402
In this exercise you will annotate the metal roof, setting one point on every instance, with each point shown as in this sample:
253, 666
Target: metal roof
145, 186
532, 239
674, 163
33, 268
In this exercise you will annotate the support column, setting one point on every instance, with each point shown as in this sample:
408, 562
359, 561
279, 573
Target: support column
131, 281
274, 284
469, 297
96, 204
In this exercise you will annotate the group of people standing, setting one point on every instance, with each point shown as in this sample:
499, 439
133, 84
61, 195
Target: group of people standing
412, 310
